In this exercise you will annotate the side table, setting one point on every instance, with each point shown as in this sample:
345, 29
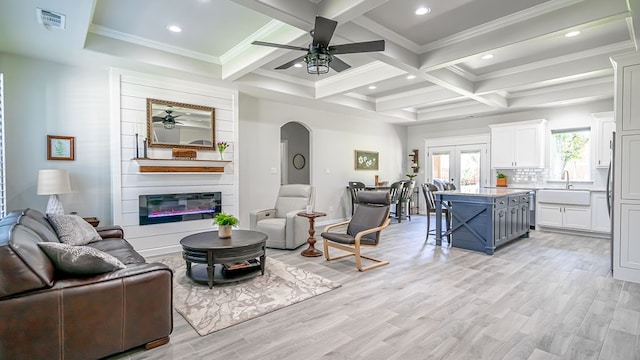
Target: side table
311, 251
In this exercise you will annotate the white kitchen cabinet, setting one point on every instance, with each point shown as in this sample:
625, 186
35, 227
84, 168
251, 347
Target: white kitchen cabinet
518, 145
562, 216
629, 230
630, 92
600, 220
626, 196
629, 155
606, 127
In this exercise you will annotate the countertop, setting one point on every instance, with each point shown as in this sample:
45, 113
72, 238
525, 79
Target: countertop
545, 187
486, 192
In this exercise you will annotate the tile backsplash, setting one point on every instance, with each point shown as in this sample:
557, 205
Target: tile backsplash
540, 178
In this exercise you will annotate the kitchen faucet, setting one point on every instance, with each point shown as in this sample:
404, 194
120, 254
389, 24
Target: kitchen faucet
565, 176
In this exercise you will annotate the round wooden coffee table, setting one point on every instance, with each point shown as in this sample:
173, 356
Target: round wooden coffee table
216, 259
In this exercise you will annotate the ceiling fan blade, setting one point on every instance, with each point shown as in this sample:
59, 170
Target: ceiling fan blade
338, 65
282, 46
157, 119
367, 46
323, 31
290, 63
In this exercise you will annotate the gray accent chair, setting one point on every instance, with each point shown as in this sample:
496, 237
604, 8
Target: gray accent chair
285, 229
363, 230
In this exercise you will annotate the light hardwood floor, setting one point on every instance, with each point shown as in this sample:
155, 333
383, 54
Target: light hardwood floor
550, 296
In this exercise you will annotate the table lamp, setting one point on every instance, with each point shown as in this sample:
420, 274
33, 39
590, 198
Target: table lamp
53, 182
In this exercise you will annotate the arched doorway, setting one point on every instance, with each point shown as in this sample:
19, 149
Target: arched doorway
294, 154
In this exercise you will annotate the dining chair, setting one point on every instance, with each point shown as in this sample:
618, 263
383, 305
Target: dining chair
394, 192
404, 199
427, 191
354, 187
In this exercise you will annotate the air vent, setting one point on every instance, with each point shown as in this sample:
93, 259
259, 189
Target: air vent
50, 19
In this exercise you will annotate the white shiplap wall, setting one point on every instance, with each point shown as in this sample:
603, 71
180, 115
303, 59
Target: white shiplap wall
129, 91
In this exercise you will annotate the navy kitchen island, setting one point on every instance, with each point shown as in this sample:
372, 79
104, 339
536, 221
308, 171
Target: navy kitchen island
485, 219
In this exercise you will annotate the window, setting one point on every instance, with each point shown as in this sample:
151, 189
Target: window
571, 152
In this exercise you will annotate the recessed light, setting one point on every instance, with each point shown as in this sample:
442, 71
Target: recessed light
487, 56
174, 28
572, 33
298, 65
411, 77
372, 87
423, 10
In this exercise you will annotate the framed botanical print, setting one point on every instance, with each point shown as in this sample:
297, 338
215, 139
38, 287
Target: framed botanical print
366, 160
60, 147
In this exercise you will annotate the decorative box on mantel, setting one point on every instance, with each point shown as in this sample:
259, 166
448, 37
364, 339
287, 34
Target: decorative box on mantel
180, 166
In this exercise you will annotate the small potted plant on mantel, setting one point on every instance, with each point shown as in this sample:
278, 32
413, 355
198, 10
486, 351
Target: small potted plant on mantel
501, 180
225, 222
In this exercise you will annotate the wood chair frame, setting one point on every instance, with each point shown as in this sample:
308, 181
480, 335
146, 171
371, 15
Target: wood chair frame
355, 249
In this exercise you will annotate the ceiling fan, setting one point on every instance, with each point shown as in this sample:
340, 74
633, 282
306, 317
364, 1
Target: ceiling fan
320, 55
168, 120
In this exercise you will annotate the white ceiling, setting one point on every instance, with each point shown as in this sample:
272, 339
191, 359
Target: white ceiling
534, 64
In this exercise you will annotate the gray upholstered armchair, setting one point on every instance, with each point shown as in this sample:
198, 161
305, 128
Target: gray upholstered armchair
286, 230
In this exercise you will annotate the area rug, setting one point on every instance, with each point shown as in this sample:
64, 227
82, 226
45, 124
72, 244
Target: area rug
210, 310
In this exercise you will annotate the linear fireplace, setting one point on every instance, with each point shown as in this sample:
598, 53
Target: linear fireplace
166, 208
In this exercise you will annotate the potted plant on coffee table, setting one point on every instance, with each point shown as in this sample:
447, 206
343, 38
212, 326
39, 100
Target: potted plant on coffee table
225, 222
501, 180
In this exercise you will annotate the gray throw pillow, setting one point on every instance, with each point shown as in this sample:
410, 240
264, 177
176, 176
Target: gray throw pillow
80, 260
73, 230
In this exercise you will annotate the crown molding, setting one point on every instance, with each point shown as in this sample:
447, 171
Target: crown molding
104, 31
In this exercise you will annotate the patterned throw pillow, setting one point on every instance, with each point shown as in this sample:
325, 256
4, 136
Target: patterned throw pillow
73, 230
80, 260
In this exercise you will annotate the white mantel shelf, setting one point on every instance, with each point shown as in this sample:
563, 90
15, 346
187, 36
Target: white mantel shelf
146, 165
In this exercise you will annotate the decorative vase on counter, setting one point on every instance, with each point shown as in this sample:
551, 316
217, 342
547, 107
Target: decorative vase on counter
224, 231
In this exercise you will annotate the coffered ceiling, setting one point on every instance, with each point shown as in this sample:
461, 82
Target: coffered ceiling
435, 66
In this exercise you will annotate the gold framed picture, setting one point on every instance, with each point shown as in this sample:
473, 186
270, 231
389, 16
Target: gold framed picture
366, 160
60, 147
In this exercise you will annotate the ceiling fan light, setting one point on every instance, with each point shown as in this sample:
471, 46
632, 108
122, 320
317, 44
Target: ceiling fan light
169, 125
318, 63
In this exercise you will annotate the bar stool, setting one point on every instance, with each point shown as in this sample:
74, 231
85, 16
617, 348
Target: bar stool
427, 191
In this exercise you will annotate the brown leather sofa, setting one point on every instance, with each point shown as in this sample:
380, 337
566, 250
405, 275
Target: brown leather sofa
47, 314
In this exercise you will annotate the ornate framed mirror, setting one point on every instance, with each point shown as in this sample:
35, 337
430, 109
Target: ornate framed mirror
172, 124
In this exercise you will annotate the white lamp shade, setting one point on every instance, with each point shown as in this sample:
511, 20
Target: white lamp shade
53, 181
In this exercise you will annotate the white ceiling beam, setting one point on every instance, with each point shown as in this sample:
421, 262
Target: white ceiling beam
452, 111
346, 10
408, 99
634, 8
594, 91
300, 14
404, 59
246, 57
399, 116
584, 12
455, 82
565, 70
362, 76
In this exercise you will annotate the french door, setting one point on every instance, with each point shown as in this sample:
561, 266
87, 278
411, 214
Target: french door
464, 165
